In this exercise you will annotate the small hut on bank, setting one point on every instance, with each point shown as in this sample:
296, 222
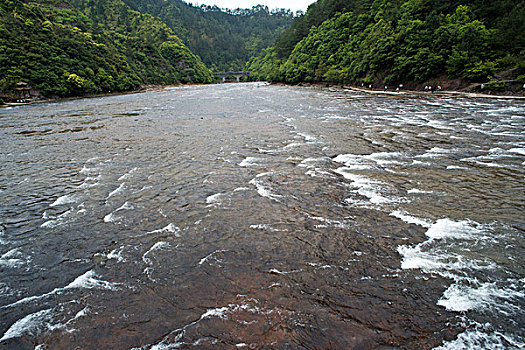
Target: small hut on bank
23, 90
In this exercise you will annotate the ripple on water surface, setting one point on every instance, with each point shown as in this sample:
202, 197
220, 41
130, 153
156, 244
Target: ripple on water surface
254, 215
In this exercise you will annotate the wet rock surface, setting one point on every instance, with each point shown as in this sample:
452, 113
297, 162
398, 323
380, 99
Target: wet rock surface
264, 217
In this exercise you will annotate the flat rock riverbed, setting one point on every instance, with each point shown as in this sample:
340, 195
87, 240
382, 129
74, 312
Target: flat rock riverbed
263, 217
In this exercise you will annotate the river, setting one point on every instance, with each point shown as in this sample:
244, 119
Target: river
263, 217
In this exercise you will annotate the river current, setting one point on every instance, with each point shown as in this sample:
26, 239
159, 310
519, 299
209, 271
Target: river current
254, 216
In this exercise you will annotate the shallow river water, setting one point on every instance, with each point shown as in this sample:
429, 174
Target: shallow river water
249, 216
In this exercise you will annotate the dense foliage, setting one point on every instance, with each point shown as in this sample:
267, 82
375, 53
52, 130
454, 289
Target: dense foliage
392, 42
89, 46
225, 40
317, 13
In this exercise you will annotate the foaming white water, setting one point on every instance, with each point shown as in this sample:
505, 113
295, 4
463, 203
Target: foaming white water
497, 153
459, 297
292, 145
308, 138
334, 116
517, 135
278, 272
261, 227
7, 291
217, 312
415, 258
431, 258
171, 341
263, 190
57, 221
455, 167
310, 163
435, 152
518, 150
476, 160
501, 110
86, 170
170, 228
38, 322
268, 151
247, 306
326, 222
387, 158
420, 163
90, 181
127, 175
366, 187
369, 161
214, 199
125, 206
318, 173
446, 228
410, 219
266, 227
268, 173
87, 280
49, 224
209, 257
110, 218
30, 324
482, 337
14, 258
156, 246
288, 121
66, 199
250, 161
418, 191
114, 254
321, 266
439, 124
448, 253
116, 191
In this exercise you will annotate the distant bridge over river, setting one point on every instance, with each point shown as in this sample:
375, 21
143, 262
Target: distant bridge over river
225, 75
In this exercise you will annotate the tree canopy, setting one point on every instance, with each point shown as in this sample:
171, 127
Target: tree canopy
90, 46
224, 39
392, 42
76, 47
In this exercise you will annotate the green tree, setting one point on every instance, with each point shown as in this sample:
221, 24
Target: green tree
392, 42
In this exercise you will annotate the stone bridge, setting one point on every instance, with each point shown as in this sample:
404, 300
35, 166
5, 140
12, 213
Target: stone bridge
236, 75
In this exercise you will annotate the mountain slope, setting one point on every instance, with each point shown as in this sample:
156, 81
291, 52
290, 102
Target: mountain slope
79, 47
409, 42
225, 40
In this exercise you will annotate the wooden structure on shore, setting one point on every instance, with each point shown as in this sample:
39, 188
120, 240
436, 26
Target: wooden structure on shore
23, 90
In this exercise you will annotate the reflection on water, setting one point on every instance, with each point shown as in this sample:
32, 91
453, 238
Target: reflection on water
257, 216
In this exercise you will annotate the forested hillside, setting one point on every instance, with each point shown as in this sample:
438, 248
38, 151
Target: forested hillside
78, 47
393, 42
75, 47
225, 40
